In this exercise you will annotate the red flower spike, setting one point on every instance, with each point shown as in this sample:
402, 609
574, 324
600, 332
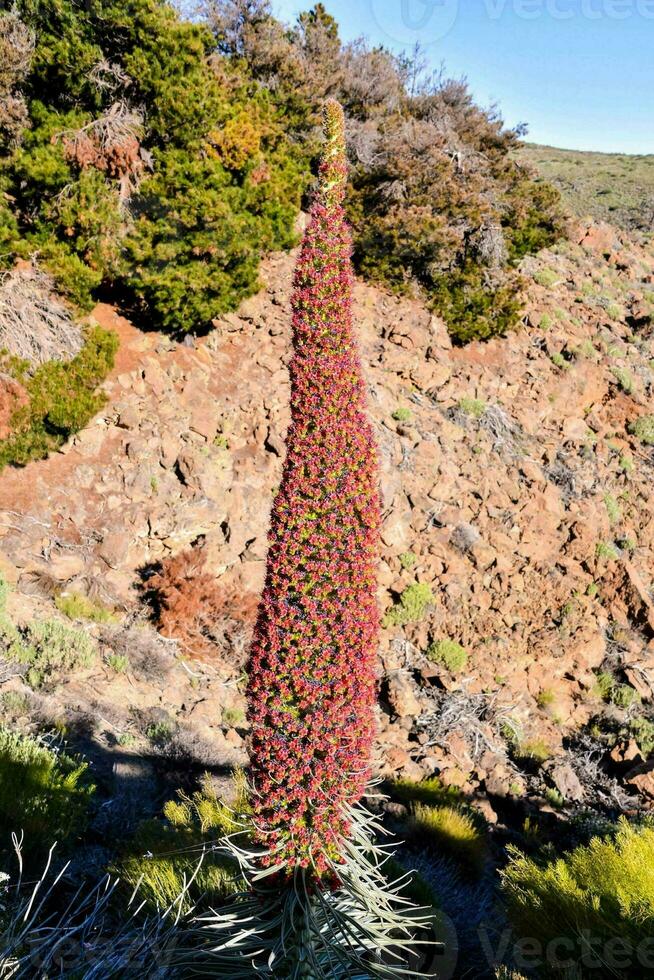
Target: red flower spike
311, 675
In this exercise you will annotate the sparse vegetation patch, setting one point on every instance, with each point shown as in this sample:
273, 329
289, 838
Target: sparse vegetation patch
412, 605
449, 653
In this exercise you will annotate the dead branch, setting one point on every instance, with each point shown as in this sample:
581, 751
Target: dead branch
34, 323
110, 143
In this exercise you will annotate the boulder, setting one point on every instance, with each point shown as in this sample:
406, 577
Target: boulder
641, 778
402, 695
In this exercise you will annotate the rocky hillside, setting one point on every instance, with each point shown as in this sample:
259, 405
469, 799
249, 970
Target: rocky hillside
518, 649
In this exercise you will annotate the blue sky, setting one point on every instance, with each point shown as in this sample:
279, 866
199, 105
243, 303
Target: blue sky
579, 72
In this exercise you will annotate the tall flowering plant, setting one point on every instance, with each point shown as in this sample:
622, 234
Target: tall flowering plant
311, 685
317, 903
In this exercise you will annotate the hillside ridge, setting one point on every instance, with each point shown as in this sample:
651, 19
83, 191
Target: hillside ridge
613, 187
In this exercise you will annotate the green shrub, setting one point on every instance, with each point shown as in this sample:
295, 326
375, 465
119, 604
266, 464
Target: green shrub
472, 309
63, 398
624, 696
451, 831
161, 871
4, 592
402, 414
535, 219
609, 689
9, 635
72, 276
77, 606
430, 791
642, 730
604, 684
559, 361
612, 508
192, 822
439, 816
160, 733
627, 544
555, 798
209, 221
545, 322
546, 698
586, 349
472, 406
43, 792
603, 890
118, 662
546, 277
412, 605
207, 810
449, 653
232, 717
624, 379
534, 751
607, 551
15, 702
643, 429
48, 647
407, 560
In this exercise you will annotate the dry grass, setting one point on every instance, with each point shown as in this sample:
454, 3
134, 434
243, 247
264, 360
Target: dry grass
151, 657
16, 49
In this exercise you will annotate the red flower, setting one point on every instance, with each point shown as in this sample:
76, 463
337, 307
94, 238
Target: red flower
311, 689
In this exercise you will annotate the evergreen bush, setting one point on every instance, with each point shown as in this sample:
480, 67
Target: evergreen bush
436, 196
149, 165
63, 398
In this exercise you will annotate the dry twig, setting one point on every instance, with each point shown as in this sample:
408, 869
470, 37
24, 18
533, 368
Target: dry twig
34, 323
